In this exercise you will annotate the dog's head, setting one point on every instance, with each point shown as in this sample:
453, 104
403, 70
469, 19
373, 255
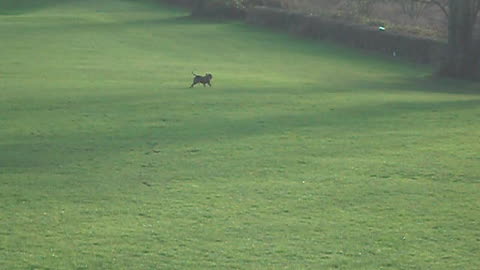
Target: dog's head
208, 76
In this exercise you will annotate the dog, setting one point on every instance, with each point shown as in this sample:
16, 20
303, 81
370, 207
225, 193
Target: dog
202, 79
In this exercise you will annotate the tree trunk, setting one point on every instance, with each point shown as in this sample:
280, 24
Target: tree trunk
463, 56
198, 7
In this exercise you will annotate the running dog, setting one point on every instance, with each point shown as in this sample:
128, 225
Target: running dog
202, 79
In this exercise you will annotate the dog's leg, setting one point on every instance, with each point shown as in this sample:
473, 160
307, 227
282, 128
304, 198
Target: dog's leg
209, 84
192, 85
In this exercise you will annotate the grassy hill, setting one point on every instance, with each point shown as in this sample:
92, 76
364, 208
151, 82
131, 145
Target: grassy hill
302, 155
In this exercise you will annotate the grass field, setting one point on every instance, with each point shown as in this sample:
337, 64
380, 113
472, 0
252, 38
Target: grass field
302, 155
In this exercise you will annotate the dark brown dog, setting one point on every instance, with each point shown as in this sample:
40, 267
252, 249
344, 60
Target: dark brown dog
202, 79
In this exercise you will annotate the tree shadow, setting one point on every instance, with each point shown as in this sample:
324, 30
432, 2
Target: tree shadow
425, 84
179, 20
433, 84
44, 152
18, 7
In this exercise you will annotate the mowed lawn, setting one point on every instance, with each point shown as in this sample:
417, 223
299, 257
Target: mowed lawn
303, 155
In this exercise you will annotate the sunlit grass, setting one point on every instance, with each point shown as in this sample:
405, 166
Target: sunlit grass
302, 155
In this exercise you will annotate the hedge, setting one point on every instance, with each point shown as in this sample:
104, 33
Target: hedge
421, 50
418, 49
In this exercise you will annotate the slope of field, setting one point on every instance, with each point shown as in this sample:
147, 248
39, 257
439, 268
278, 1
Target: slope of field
302, 155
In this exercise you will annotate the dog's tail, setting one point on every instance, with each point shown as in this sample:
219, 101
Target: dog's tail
194, 74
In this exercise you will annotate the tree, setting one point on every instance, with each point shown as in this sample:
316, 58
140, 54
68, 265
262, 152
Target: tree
463, 56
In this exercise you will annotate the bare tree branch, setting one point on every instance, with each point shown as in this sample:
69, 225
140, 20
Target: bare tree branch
442, 4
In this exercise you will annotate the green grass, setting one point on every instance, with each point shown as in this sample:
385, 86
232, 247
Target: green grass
302, 155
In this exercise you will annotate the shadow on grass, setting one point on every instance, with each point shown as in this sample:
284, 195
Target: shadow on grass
43, 152
159, 23
18, 7
426, 84
445, 85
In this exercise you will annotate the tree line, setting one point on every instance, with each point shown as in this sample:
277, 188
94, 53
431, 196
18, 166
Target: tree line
462, 60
